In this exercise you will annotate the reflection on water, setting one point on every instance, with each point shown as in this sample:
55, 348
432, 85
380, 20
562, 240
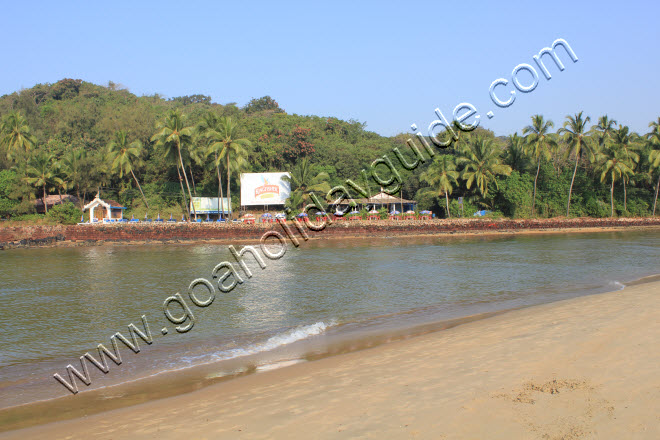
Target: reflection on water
59, 303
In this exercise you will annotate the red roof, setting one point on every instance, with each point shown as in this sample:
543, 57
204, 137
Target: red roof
113, 203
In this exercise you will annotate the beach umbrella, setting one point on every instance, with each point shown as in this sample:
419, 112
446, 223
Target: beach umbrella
410, 211
395, 212
302, 214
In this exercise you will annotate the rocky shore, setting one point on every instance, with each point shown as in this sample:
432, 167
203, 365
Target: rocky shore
144, 233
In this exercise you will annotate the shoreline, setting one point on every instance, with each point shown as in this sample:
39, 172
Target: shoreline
145, 234
187, 380
555, 370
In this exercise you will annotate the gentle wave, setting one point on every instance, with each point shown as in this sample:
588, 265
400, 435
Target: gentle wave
643, 280
617, 284
279, 340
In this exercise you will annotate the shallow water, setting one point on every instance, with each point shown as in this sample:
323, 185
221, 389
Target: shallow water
324, 297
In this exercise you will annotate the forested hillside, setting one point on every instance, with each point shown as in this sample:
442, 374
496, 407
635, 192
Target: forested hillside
149, 151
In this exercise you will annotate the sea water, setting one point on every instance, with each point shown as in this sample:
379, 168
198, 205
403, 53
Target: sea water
325, 297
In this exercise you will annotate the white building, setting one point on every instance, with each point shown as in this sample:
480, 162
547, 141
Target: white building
100, 210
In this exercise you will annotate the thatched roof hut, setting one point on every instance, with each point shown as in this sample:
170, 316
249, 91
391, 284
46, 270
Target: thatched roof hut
52, 201
379, 200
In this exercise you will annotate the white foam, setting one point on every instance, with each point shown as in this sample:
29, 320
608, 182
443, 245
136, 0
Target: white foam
617, 284
296, 334
285, 338
276, 365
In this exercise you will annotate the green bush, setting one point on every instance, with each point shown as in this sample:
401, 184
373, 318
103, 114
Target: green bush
426, 200
495, 215
552, 191
28, 217
578, 208
515, 195
468, 208
597, 208
7, 179
638, 208
65, 213
24, 208
7, 207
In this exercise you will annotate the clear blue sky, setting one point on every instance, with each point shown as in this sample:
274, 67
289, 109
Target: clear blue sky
386, 64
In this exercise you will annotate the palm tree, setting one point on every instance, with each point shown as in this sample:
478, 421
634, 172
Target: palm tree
98, 173
210, 129
626, 143
482, 164
604, 129
171, 156
232, 148
442, 175
460, 142
613, 164
196, 156
72, 166
294, 201
40, 173
63, 184
654, 155
577, 140
539, 142
173, 136
15, 133
304, 181
654, 134
123, 155
515, 152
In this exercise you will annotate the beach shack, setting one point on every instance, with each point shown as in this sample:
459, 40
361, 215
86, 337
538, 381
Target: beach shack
100, 210
52, 200
380, 200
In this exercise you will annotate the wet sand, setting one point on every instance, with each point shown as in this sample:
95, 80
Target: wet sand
583, 368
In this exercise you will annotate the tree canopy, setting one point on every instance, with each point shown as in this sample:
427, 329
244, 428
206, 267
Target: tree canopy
151, 151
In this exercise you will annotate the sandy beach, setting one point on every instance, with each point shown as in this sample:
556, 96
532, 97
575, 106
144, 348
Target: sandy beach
584, 368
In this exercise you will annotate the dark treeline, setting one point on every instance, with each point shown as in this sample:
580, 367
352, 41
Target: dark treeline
152, 154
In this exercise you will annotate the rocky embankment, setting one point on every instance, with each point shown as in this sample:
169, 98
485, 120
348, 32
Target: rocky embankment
80, 235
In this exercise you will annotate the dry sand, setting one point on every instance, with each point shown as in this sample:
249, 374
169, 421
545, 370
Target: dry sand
584, 368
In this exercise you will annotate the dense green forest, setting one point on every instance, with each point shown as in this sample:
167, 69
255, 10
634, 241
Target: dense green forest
152, 154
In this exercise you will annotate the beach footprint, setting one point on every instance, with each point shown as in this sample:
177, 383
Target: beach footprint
556, 409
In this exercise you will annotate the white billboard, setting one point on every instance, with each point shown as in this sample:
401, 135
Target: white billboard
209, 205
264, 189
